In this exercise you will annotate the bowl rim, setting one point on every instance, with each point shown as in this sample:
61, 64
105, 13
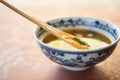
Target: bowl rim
90, 50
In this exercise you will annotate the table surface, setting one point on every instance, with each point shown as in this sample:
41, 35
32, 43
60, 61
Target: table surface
20, 56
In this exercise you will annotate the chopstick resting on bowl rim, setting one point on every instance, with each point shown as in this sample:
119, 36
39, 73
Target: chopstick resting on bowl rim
68, 38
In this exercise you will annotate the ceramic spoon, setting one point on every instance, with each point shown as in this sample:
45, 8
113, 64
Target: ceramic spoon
68, 38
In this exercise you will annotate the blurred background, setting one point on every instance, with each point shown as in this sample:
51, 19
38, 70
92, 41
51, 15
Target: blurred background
47, 9
20, 57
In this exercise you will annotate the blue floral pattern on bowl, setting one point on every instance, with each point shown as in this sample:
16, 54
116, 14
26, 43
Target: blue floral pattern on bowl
77, 58
80, 59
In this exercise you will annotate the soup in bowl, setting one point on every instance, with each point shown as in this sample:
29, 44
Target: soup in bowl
102, 36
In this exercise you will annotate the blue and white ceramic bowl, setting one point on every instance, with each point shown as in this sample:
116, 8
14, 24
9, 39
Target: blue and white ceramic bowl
82, 59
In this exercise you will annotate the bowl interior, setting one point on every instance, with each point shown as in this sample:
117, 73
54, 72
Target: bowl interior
104, 27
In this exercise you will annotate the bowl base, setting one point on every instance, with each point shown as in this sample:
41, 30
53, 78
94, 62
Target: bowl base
76, 68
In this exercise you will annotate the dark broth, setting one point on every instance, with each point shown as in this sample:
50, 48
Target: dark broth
77, 32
